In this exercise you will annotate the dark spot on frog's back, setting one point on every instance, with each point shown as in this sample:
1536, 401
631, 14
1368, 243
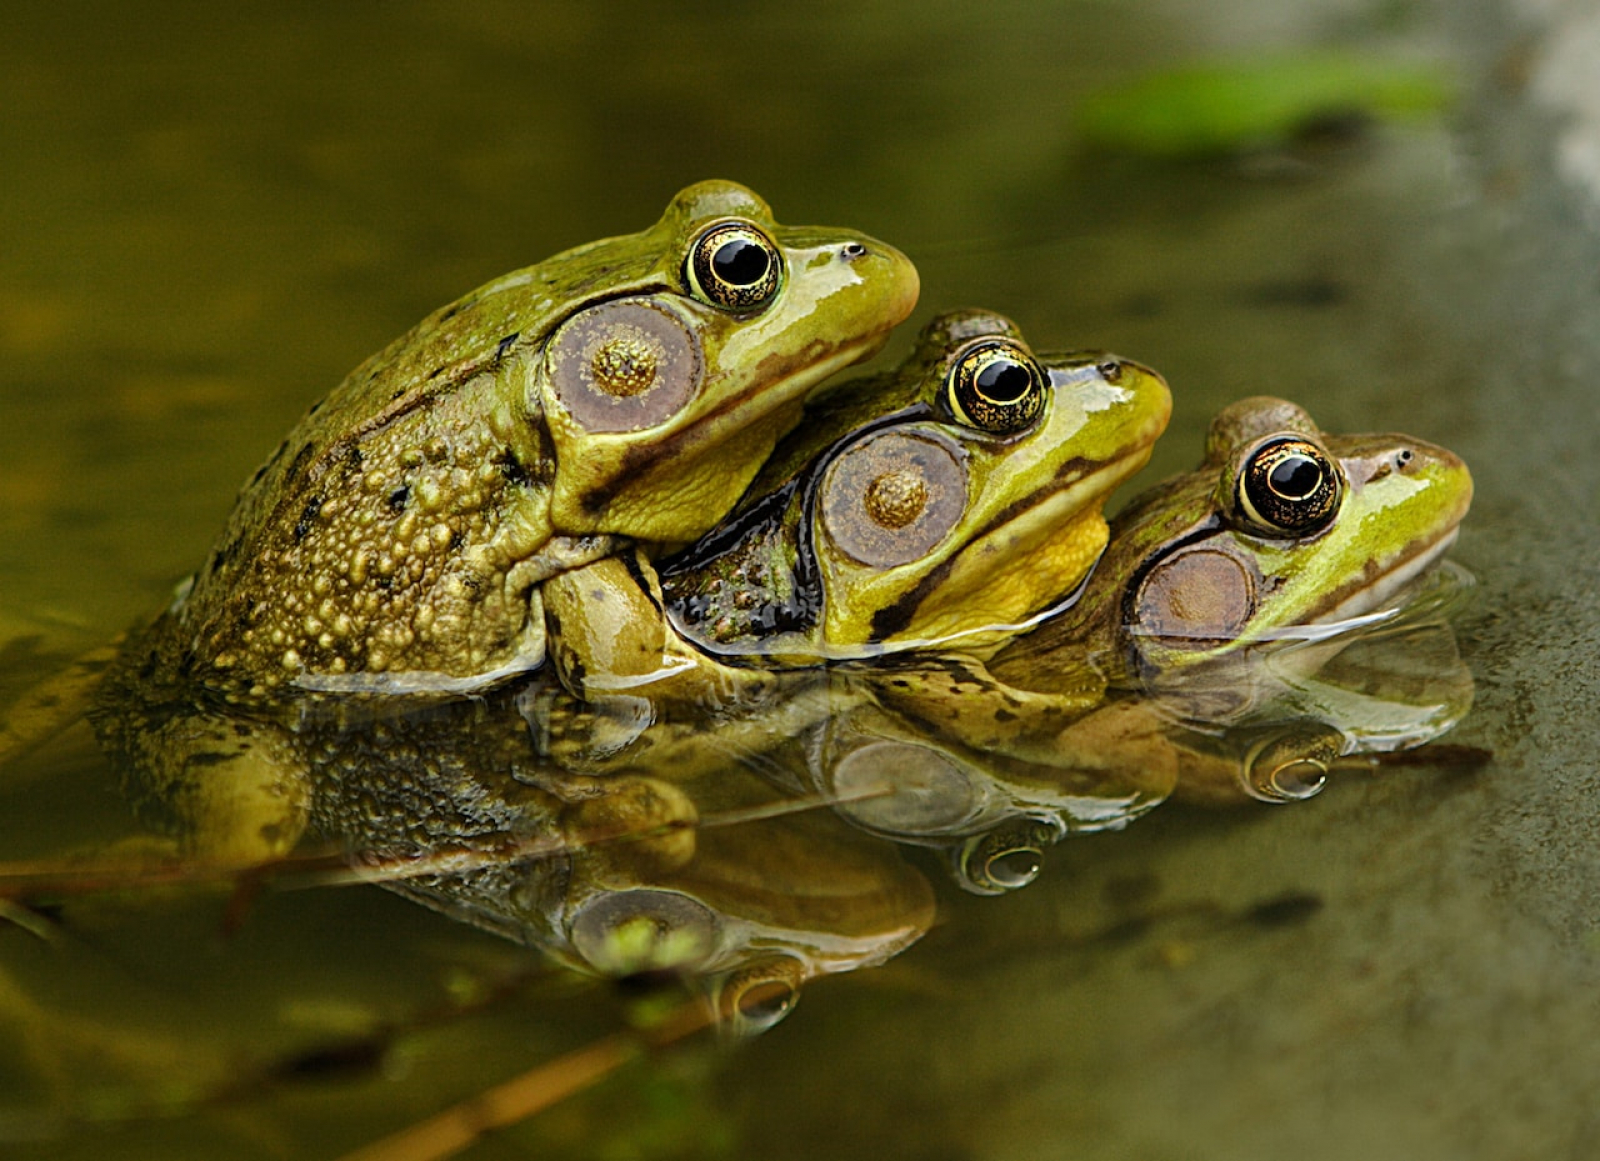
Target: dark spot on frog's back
224, 554
399, 498
513, 470
308, 518
277, 454
301, 459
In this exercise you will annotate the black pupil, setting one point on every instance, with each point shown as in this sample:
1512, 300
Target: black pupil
1004, 381
1295, 477
741, 262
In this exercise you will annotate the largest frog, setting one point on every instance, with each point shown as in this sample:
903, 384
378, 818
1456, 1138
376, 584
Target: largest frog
631, 387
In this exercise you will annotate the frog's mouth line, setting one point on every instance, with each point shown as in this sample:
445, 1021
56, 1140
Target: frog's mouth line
802, 378
1370, 603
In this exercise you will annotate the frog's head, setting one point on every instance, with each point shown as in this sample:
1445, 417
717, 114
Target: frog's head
1281, 527
687, 351
970, 507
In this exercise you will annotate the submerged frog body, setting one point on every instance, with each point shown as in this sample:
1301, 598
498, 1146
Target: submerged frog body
629, 388
947, 504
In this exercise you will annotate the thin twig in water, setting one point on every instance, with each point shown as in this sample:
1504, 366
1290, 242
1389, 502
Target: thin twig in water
449, 1132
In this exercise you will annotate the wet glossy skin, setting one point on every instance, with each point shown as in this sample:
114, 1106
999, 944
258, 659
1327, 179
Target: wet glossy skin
895, 521
627, 388
1203, 567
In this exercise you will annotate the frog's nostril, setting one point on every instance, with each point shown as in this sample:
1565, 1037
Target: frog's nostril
853, 250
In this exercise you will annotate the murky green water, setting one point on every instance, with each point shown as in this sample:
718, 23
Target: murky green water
208, 218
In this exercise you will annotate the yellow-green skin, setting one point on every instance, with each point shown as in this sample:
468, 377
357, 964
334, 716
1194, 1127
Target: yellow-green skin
781, 590
397, 538
1190, 579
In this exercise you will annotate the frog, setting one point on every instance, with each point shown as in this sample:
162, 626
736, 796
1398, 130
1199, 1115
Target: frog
1282, 538
1212, 621
624, 391
621, 393
943, 505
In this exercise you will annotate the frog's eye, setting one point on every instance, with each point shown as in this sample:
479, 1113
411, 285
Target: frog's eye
734, 266
996, 387
1004, 859
1289, 487
890, 498
757, 996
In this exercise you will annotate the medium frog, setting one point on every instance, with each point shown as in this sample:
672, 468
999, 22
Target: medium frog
944, 505
629, 388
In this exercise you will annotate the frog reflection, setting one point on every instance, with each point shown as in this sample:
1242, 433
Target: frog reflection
1105, 709
708, 873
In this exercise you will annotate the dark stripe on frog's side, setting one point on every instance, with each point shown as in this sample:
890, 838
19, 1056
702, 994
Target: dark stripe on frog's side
888, 621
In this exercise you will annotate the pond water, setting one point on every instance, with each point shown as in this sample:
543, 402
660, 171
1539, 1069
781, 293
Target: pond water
209, 218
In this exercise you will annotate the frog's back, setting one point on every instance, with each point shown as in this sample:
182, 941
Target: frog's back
420, 478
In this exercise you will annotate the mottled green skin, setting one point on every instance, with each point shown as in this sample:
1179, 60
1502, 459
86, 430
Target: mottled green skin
773, 583
398, 536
